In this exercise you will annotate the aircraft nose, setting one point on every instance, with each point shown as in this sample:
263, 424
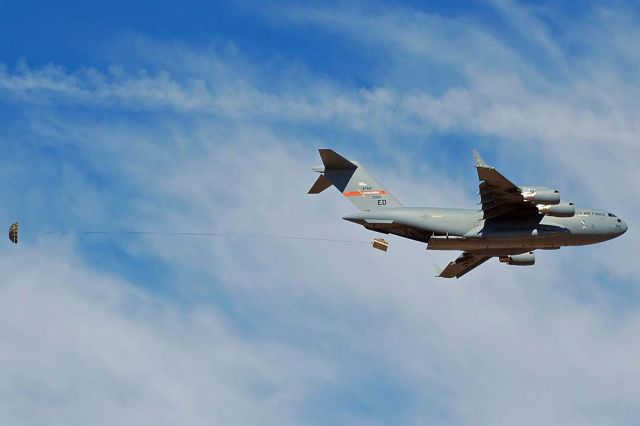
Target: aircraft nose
624, 227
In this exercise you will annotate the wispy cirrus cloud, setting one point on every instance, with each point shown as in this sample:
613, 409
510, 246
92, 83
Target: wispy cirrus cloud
86, 345
239, 331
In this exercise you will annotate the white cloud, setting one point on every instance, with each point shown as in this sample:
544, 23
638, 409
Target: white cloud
82, 346
272, 327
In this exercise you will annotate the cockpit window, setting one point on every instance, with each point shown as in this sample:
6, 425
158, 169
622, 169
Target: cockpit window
611, 215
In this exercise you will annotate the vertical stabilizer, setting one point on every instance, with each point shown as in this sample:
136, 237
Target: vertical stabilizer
353, 180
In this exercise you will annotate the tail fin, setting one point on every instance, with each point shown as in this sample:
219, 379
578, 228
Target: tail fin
353, 181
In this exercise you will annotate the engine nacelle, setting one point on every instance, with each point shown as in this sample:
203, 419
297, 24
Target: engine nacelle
526, 259
559, 210
541, 195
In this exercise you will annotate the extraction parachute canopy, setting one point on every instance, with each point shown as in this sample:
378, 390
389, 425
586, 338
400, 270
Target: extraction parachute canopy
13, 233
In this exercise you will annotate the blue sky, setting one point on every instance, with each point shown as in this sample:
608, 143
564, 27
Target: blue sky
207, 116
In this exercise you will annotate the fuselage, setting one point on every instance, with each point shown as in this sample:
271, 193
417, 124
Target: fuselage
467, 230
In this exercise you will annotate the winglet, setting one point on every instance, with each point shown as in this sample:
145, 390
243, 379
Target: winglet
479, 161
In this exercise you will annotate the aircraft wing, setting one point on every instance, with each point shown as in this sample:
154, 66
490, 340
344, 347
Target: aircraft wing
463, 264
498, 195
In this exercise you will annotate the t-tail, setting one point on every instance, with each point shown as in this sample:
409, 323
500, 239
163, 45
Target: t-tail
353, 181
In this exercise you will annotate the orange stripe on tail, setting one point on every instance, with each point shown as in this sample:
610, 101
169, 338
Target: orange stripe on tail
363, 193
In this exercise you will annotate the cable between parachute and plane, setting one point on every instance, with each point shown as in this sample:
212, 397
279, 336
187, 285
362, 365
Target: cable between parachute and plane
378, 243
205, 234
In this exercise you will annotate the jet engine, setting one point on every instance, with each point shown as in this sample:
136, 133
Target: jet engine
526, 259
559, 210
541, 195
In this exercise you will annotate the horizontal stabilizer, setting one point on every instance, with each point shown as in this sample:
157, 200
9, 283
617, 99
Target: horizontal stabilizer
321, 184
334, 161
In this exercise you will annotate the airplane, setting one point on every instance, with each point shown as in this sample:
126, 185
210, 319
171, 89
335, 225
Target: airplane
513, 222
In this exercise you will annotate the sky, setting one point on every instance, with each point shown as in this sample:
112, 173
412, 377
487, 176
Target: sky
205, 116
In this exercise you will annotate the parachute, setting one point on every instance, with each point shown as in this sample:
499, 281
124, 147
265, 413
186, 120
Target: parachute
13, 233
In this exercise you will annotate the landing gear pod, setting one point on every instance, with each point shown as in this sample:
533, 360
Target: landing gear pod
13, 233
526, 259
380, 244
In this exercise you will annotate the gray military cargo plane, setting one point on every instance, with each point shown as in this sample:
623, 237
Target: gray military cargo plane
514, 220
